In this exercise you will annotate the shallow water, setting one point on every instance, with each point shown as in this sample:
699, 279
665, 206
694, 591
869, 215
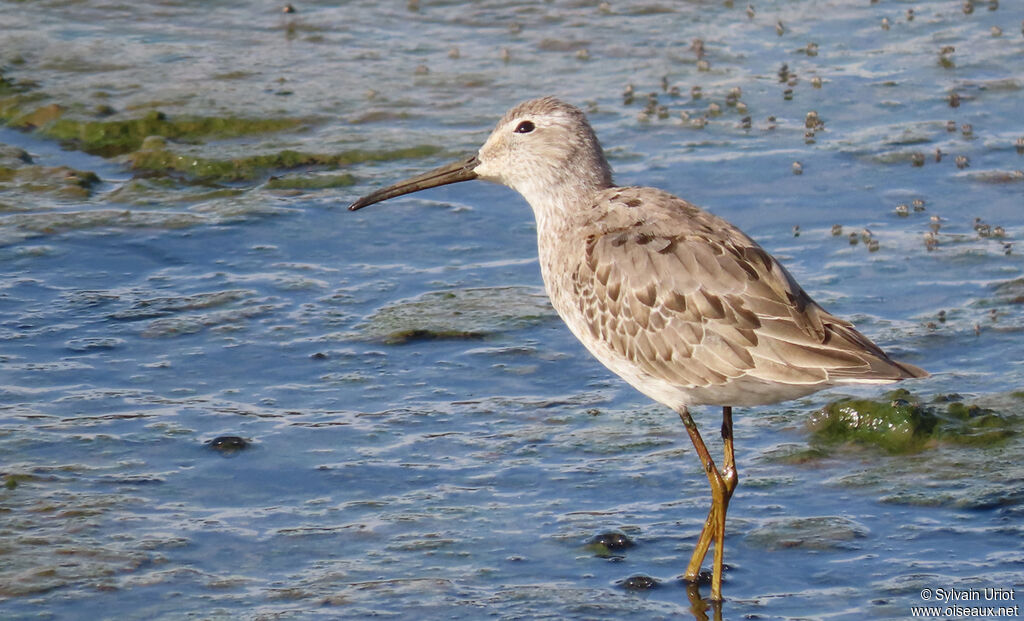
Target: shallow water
461, 477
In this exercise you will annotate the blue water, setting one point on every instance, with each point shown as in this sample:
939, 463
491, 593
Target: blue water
463, 478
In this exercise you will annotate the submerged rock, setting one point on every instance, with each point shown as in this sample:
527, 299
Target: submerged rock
610, 543
640, 582
613, 540
228, 444
148, 308
809, 533
995, 176
458, 314
1010, 291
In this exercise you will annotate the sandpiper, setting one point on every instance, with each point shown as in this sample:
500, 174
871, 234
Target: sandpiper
675, 300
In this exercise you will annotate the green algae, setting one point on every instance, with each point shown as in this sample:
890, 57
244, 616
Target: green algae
109, 137
38, 117
13, 480
6, 85
15, 104
979, 470
895, 424
13, 157
143, 143
9, 86
974, 425
158, 191
116, 137
60, 180
310, 182
900, 423
19, 174
160, 161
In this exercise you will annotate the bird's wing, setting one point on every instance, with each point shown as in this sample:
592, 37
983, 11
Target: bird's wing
691, 300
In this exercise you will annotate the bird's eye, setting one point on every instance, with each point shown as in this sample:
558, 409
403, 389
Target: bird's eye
525, 127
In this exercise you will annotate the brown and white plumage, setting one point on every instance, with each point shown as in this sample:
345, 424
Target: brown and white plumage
691, 311
677, 301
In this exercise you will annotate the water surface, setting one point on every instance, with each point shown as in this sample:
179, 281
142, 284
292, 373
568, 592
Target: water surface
463, 477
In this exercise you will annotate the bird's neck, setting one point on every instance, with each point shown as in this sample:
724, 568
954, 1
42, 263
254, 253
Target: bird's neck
559, 200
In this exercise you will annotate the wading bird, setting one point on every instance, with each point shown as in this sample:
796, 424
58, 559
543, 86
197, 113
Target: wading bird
675, 300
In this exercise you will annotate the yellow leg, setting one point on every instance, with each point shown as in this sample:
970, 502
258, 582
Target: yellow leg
730, 476
729, 479
722, 486
700, 551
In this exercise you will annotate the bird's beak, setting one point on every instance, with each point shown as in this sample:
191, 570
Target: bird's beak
462, 170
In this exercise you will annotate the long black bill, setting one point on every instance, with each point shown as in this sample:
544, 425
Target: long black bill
449, 173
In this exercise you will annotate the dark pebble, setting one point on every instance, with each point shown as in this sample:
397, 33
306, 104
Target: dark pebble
229, 444
704, 577
640, 582
613, 540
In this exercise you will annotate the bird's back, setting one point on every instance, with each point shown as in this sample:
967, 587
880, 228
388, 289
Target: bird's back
691, 311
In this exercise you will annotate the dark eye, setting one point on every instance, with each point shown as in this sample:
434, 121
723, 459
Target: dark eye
525, 127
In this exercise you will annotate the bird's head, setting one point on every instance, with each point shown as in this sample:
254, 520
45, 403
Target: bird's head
543, 148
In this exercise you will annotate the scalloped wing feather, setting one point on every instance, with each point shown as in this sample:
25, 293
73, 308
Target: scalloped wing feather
690, 300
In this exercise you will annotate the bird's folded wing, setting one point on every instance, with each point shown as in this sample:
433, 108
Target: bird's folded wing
695, 302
